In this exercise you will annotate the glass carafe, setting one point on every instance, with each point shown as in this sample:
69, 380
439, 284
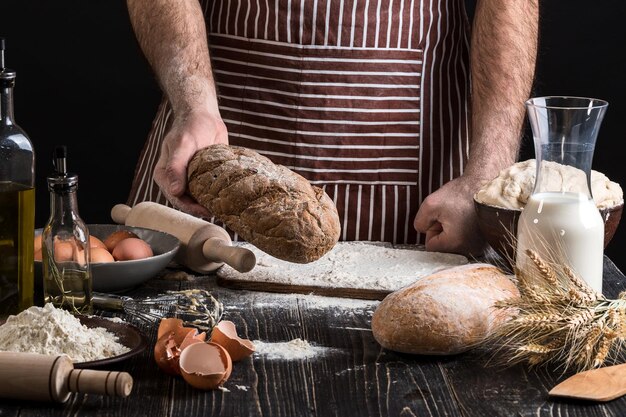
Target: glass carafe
560, 221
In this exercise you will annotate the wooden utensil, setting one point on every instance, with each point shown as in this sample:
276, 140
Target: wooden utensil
602, 384
204, 246
31, 376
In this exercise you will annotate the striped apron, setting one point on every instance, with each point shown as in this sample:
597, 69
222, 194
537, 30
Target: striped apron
368, 99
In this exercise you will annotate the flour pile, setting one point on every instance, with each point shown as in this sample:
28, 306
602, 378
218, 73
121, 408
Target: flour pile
293, 350
53, 331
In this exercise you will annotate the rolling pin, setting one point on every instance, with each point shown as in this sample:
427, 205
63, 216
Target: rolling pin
204, 246
31, 376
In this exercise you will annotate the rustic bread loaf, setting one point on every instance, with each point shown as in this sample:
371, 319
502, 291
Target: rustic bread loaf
268, 205
445, 313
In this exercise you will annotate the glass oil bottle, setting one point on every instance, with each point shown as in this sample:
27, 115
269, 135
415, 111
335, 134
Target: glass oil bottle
17, 203
65, 243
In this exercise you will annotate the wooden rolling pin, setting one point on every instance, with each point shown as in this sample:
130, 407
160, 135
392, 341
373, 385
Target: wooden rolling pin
204, 246
31, 376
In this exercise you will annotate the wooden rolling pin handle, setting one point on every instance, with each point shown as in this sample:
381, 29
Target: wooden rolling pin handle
119, 213
219, 250
86, 381
32, 376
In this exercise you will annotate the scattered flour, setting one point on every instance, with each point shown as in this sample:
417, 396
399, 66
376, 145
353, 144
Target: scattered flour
310, 301
360, 265
293, 350
115, 319
53, 331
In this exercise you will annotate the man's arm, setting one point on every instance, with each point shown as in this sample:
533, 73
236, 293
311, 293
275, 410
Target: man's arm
503, 56
172, 35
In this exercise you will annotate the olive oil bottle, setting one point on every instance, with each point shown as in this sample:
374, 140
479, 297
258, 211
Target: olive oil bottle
17, 203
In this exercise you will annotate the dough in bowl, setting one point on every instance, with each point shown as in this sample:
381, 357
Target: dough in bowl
512, 187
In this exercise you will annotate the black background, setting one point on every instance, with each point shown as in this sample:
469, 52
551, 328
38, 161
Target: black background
83, 82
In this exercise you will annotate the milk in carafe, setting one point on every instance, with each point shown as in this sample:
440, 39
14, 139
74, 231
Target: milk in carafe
564, 227
560, 221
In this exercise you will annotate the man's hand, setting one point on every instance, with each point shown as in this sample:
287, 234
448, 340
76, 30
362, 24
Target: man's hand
188, 134
448, 218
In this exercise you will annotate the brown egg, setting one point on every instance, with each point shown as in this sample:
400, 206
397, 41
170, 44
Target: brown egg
205, 365
131, 249
100, 255
63, 251
94, 242
38, 243
225, 335
116, 237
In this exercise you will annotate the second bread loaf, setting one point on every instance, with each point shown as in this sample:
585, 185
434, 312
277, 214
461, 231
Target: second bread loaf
267, 204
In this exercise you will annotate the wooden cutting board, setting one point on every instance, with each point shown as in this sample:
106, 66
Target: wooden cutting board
365, 270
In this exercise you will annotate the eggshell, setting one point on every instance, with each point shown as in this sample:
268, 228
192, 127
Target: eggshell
168, 325
116, 237
94, 242
132, 248
100, 255
225, 335
172, 339
167, 354
205, 365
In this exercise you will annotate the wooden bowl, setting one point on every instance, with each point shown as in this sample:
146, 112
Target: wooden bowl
499, 226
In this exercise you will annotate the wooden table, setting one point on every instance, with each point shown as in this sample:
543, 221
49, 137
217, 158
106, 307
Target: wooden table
351, 376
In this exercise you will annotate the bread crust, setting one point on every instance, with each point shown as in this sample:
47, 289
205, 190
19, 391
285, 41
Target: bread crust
446, 313
268, 205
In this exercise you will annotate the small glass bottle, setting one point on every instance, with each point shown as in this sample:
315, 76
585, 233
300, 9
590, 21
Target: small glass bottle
560, 221
17, 204
65, 243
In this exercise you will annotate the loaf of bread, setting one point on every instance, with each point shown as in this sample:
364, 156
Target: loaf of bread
268, 205
445, 313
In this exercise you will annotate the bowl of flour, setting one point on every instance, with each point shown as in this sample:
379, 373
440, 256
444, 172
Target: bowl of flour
89, 341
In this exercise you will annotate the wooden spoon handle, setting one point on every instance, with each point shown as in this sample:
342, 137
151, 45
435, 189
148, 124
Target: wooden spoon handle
218, 250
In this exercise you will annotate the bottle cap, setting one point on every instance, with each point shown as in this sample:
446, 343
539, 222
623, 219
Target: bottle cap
7, 76
61, 180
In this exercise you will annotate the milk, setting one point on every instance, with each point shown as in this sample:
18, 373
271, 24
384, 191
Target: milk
564, 227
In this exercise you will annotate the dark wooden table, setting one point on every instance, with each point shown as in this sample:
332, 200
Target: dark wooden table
353, 376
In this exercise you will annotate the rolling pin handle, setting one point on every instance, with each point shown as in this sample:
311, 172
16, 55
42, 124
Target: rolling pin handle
86, 381
119, 213
218, 250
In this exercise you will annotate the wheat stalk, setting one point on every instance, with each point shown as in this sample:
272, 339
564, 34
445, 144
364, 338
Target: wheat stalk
558, 319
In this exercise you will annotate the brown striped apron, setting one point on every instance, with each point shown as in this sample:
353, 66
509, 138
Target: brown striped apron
368, 99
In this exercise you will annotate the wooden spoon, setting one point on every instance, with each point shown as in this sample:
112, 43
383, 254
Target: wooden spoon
602, 384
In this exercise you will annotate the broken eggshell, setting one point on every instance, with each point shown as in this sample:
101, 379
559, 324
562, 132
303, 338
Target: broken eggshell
172, 341
168, 325
205, 365
225, 334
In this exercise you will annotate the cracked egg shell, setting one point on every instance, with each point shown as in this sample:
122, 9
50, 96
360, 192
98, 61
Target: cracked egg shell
168, 325
172, 343
205, 365
225, 334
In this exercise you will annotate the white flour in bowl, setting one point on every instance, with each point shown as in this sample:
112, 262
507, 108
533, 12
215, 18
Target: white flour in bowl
53, 331
359, 265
